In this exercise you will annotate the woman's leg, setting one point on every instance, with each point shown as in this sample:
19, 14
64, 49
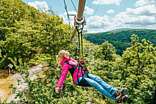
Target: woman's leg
110, 89
98, 87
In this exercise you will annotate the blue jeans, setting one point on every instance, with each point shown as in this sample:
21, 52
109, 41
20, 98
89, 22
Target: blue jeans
99, 84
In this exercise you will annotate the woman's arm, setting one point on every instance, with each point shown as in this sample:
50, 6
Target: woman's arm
73, 62
60, 82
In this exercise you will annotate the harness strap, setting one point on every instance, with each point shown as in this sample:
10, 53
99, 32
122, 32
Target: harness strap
74, 67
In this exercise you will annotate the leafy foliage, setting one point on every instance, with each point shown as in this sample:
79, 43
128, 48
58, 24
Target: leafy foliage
134, 70
25, 33
139, 70
105, 51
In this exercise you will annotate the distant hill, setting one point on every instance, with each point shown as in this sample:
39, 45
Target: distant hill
120, 38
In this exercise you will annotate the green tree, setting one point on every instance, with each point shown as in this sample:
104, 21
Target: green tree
139, 70
105, 51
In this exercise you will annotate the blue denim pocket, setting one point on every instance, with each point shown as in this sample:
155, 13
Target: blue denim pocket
83, 82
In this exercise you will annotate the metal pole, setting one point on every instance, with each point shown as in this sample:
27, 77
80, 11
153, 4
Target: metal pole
79, 15
81, 8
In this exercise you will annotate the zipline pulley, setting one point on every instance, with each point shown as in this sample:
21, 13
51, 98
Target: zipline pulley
79, 25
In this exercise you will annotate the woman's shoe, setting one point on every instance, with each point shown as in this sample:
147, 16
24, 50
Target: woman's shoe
121, 95
124, 98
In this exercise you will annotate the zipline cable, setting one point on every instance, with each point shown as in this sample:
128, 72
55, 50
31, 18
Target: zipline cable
73, 5
66, 9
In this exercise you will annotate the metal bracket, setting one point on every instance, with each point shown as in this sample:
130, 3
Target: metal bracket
79, 22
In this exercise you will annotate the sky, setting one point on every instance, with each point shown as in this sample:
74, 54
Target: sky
105, 15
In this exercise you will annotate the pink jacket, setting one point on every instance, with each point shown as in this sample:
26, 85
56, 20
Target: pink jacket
65, 67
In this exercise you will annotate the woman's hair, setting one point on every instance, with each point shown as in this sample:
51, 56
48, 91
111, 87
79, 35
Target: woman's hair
62, 54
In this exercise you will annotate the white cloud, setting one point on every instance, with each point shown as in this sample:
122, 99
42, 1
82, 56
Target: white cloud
139, 17
107, 2
143, 10
89, 11
97, 22
133, 20
41, 5
144, 2
136, 17
71, 17
146, 10
111, 11
141, 2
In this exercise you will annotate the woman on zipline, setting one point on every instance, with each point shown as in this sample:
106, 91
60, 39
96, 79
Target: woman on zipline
82, 77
